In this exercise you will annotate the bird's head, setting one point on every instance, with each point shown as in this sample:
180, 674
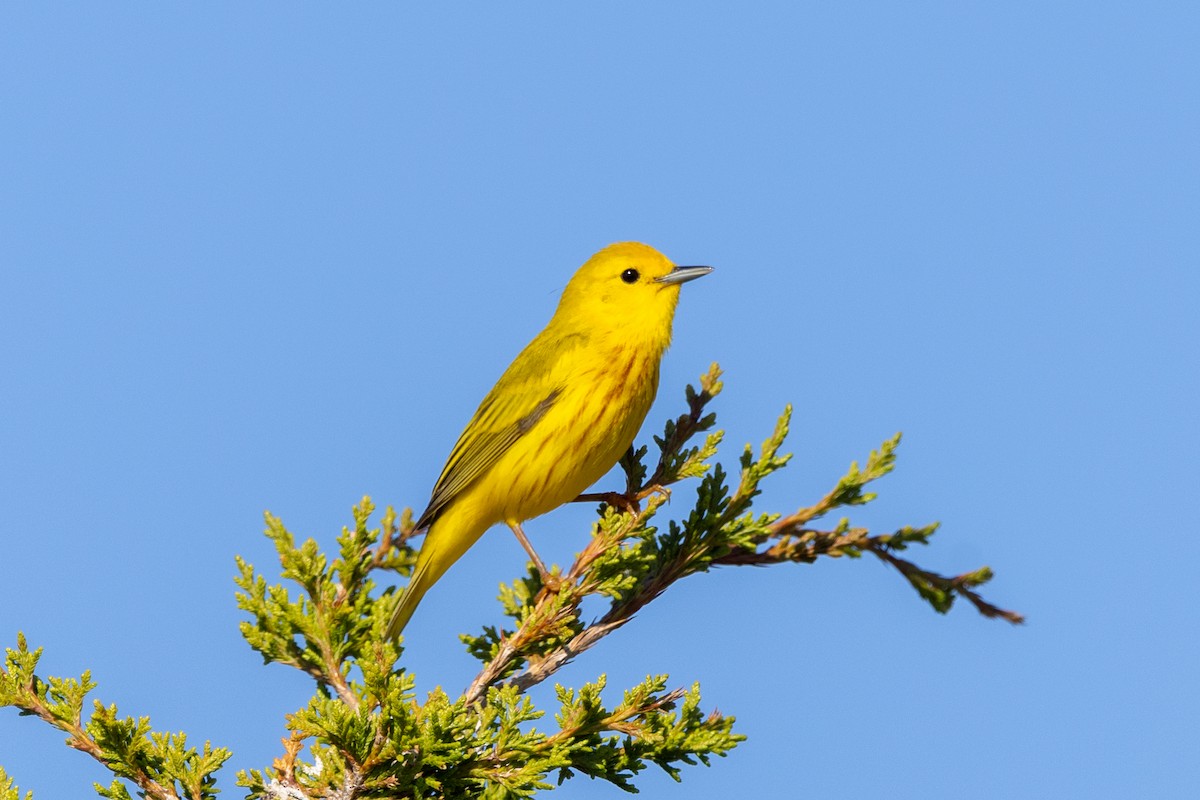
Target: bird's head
627, 287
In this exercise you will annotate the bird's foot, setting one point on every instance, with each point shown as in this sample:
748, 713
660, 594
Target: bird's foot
615, 499
630, 503
627, 503
551, 582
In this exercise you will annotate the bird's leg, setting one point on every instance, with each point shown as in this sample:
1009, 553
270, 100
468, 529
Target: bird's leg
547, 579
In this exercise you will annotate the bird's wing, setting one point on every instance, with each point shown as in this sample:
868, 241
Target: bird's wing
518, 401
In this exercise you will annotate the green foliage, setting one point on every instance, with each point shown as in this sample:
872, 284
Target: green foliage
365, 733
333, 620
9, 790
161, 764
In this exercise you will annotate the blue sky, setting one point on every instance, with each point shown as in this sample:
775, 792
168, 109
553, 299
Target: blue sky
271, 257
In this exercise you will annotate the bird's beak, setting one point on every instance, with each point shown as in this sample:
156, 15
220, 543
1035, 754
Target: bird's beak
684, 274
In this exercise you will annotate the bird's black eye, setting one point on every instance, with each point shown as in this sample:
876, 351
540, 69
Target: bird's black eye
630, 276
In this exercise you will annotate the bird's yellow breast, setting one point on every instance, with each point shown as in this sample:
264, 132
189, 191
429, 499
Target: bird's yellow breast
605, 398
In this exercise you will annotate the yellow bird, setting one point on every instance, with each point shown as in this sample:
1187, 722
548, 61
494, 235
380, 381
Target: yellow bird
561, 415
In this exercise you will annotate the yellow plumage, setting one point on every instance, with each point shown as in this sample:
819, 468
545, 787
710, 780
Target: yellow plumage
562, 413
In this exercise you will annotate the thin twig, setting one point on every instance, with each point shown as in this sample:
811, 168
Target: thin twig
957, 585
82, 741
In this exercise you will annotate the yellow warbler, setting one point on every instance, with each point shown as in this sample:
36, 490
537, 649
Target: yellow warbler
562, 413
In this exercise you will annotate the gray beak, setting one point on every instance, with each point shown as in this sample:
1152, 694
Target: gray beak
684, 274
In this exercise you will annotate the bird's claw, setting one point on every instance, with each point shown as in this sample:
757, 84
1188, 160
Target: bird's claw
630, 503
551, 582
656, 489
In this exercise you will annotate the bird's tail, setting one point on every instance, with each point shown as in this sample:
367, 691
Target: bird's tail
446, 540
417, 586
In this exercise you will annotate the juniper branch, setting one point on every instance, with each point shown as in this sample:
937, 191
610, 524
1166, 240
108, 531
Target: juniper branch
720, 532
161, 765
365, 732
9, 789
